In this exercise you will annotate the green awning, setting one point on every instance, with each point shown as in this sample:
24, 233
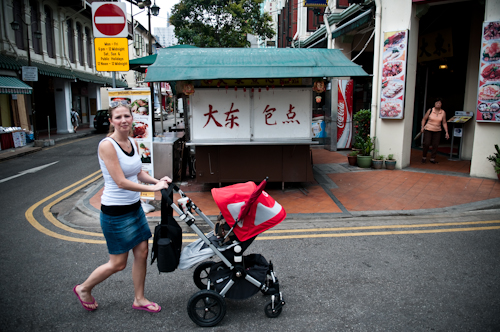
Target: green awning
11, 85
145, 60
234, 63
140, 64
352, 24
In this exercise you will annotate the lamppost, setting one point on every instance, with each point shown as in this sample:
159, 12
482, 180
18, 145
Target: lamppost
155, 10
15, 26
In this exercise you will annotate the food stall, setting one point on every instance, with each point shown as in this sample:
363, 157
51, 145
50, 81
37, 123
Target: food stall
249, 111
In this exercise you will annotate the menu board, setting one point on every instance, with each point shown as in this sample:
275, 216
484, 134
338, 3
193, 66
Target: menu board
393, 74
142, 127
488, 92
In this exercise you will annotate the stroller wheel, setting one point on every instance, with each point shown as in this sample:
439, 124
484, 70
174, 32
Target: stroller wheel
270, 312
206, 308
201, 273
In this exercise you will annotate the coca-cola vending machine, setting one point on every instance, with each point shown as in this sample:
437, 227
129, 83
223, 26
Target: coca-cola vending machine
344, 114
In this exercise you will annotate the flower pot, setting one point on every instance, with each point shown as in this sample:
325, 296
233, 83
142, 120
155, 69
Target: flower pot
390, 164
353, 160
377, 163
364, 161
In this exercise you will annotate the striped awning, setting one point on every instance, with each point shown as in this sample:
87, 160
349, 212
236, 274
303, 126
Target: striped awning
11, 85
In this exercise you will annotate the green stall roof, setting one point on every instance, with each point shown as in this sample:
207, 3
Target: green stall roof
239, 63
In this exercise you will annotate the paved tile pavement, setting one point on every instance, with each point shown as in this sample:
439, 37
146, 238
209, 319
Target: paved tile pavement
340, 189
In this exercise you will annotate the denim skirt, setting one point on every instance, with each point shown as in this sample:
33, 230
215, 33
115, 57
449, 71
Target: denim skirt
124, 232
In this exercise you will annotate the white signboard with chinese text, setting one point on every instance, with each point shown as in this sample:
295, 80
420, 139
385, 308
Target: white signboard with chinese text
142, 132
279, 113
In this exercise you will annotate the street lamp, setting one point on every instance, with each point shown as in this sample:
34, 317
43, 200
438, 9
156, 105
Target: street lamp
155, 10
15, 26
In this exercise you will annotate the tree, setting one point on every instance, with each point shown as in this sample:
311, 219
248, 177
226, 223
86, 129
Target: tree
219, 23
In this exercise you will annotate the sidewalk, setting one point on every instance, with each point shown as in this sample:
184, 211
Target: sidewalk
30, 148
341, 190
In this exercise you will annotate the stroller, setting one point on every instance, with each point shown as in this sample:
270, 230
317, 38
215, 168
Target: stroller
246, 211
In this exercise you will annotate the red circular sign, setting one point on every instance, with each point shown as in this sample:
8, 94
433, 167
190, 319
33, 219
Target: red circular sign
110, 19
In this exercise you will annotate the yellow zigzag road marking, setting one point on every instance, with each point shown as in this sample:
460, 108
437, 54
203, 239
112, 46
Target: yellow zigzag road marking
298, 230
422, 231
95, 176
57, 223
31, 219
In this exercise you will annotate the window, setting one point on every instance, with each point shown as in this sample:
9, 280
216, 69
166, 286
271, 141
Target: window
18, 16
88, 38
35, 27
71, 41
138, 42
79, 38
49, 32
314, 18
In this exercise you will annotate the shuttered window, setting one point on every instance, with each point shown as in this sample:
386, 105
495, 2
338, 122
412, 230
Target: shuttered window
71, 41
79, 35
18, 16
88, 38
49, 32
35, 27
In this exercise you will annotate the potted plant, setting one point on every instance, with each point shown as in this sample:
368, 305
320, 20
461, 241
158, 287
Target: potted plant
352, 157
495, 159
364, 156
390, 162
378, 162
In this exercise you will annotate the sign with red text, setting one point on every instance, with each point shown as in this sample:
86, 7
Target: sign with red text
248, 114
109, 19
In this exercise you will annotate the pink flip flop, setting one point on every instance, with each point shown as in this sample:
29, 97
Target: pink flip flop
145, 307
83, 302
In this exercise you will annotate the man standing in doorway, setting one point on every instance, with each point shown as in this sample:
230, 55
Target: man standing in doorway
75, 119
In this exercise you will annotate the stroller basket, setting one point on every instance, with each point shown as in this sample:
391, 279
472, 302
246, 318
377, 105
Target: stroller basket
255, 265
249, 211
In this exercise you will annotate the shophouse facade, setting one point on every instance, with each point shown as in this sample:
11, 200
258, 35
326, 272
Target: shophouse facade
57, 37
443, 55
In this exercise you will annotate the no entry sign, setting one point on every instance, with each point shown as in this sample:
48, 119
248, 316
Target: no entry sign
109, 19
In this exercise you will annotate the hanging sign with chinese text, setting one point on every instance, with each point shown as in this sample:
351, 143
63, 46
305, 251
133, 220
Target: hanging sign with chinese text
488, 93
240, 114
393, 74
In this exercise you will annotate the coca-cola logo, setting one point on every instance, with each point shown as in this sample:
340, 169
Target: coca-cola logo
340, 115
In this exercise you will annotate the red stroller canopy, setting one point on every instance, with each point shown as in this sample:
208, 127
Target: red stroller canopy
260, 211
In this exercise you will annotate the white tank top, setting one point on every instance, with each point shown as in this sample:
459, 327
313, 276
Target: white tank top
131, 166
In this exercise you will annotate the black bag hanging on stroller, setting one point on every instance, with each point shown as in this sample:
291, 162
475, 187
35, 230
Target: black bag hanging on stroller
167, 241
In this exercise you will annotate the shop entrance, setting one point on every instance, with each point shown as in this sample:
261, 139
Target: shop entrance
444, 34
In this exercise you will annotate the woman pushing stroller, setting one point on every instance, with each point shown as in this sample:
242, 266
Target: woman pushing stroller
123, 221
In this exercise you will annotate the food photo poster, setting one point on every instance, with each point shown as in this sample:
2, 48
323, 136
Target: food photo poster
142, 126
488, 92
393, 74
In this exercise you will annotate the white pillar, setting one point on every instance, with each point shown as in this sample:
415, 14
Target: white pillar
62, 96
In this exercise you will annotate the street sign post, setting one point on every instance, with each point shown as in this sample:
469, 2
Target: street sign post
109, 21
111, 54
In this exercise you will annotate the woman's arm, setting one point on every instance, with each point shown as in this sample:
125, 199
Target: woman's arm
107, 153
426, 116
445, 126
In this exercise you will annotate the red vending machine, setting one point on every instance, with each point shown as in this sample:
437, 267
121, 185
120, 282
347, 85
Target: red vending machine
344, 114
